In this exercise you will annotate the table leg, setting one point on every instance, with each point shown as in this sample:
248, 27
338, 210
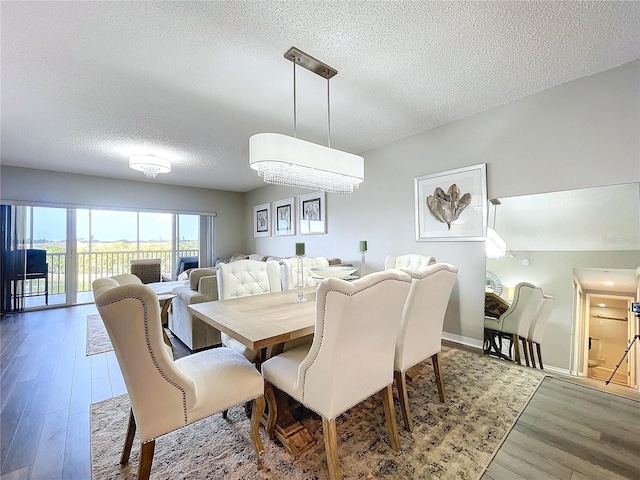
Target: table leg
164, 313
164, 320
493, 349
293, 436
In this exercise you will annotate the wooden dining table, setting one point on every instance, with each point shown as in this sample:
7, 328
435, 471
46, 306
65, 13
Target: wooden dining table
494, 306
264, 323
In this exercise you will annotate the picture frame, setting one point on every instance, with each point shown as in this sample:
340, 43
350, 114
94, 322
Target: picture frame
312, 214
452, 205
262, 220
284, 219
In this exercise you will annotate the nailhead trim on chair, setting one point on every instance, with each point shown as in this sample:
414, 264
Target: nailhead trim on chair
323, 323
153, 357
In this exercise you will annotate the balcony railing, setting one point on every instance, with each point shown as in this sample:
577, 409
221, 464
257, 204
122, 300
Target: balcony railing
96, 265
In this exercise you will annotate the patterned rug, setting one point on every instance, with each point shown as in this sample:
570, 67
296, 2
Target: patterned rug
97, 337
451, 440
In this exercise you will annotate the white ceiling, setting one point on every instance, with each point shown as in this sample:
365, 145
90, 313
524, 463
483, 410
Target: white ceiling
622, 281
86, 84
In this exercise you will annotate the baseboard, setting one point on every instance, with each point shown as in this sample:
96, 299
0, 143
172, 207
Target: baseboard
553, 369
477, 344
468, 341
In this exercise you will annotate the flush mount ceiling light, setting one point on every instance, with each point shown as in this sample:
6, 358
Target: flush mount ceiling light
149, 165
284, 160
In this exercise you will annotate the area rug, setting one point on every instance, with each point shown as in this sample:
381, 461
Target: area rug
451, 440
97, 337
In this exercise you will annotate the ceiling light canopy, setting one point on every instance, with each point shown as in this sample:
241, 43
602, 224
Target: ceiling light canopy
284, 160
149, 165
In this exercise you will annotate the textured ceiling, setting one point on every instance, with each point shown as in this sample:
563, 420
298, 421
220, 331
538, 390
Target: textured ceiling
86, 84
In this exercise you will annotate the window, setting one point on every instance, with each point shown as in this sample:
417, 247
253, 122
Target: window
102, 244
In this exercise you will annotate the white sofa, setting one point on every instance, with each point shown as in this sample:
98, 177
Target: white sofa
193, 332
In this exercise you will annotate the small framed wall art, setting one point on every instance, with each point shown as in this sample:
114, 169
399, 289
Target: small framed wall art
262, 220
452, 205
284, 220
312, 214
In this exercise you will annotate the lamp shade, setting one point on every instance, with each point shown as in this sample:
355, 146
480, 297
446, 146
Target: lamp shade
284, 160
495, 246
149, 165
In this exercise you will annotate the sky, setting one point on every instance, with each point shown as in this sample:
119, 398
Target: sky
110, 225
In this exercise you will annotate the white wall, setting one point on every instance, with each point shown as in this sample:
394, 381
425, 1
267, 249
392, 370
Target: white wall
64, 189
580, 134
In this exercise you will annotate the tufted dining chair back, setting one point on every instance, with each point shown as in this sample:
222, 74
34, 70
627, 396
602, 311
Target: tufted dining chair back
166, 394
411, 260
240, 279
420, 334
248, 277
289, 271
329, 378
344, 366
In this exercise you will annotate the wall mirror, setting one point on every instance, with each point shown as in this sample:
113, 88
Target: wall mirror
585, 240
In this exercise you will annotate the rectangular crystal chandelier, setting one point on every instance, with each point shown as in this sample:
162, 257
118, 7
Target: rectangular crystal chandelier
283, 160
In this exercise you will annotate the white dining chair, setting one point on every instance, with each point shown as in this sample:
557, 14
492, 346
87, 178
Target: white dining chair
289, 271
410, 260
165, 394
420, 334
536, 330
514, 323
243, 278
350, 357
100, 284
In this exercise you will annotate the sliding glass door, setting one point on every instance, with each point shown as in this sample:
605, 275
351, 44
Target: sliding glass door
108, 240
76, 246
34, 257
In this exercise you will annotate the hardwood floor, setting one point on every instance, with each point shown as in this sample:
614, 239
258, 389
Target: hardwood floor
47, 384
570, 431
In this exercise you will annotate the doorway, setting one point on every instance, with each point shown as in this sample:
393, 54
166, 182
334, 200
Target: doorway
609, 326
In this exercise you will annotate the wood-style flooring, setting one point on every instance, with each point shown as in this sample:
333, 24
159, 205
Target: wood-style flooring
47, 384
571, 432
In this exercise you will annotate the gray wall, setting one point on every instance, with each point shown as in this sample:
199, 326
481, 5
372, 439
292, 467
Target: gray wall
24, 185
580, 134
